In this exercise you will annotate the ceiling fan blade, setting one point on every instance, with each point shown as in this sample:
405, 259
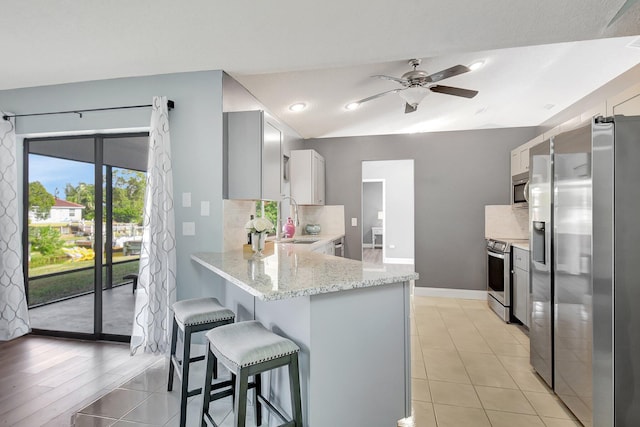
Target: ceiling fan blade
408, 108
456, 91
621, 12
395, 79
449, 72
378, 95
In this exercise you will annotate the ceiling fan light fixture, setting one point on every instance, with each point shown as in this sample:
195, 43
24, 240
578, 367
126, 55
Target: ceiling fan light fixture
413, 95
298, 106
476, 65
352, 106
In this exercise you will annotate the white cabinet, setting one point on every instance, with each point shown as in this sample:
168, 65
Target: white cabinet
253, 152
307, 177
520, 281
327, 249
626, 103
520, 156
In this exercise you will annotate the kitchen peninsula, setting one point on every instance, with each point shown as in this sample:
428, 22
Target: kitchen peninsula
350, 319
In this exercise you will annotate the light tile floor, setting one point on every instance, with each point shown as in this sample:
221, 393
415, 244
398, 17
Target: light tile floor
472, 369
469, 369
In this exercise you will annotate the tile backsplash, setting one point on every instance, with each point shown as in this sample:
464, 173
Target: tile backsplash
330, 218
506, 222
237, 213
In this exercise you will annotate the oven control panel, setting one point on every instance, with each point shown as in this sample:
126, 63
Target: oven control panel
497, 245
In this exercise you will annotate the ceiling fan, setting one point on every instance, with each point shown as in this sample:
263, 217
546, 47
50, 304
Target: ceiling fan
417, 83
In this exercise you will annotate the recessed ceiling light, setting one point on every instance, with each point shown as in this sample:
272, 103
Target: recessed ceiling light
352, 105
476, 65
297, 106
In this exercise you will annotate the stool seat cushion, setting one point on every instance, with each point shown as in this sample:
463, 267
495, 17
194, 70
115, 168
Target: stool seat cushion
243, 344
197, 311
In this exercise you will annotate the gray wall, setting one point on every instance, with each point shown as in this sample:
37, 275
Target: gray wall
456, 175
371, 204
196, 142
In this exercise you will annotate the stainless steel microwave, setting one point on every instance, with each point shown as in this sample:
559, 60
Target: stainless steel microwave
520, 190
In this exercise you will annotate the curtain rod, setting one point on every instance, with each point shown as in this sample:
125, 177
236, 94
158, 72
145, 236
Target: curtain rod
170, 105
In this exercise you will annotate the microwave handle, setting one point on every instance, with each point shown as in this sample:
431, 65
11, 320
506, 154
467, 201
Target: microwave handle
526, 192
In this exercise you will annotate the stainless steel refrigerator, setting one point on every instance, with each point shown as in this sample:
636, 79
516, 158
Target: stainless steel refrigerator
594, 276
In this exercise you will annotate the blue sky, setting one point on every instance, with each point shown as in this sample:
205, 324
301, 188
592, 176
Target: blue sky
56, 173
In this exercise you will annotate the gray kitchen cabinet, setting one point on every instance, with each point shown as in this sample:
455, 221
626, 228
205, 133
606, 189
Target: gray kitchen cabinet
520, 283
253, 151
307, 177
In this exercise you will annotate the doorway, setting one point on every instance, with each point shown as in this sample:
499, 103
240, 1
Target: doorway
388, 212
83, 240
373, 220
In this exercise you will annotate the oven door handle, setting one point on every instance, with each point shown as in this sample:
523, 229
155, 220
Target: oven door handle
495, 255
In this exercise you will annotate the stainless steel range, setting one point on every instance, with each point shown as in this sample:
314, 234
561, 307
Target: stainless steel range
499, 277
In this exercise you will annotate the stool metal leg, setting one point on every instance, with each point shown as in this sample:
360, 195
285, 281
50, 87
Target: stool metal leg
206, 390
258, 406
294, 384
174, 340
240, 404
184, 385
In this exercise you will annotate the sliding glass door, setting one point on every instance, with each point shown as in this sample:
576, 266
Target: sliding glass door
83, 239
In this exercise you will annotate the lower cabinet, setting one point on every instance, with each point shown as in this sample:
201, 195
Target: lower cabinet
520, 281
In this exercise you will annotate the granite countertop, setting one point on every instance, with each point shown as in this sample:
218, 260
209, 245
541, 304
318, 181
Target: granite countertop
293, 272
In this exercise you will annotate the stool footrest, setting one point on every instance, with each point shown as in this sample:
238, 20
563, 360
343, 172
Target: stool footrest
196, 359
194, 392
277, 411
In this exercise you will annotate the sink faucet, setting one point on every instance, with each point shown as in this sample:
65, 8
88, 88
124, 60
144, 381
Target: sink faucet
279, 219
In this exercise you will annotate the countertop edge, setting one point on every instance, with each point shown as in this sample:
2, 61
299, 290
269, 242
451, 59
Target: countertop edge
280, 295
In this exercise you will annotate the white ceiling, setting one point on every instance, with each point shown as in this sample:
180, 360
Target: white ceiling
323, 52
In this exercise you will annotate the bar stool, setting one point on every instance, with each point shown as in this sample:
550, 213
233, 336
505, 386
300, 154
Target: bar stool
191, 316
249, 349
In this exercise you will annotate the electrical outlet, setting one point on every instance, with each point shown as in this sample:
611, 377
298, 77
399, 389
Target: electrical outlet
354, 222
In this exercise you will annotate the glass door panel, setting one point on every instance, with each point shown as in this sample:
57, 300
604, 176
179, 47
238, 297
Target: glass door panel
123, 228
60, 248
84, 240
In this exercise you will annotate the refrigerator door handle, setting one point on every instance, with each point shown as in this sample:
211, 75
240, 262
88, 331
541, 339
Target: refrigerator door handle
538, 243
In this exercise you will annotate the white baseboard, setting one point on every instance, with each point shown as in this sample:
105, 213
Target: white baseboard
449, 293
398, 260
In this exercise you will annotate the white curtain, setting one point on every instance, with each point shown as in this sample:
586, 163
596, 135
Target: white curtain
157, 274
14, 318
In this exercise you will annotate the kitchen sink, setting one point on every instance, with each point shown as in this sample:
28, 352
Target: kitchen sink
304, 242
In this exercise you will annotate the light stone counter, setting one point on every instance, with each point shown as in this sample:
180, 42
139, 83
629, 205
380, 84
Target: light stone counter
521, 245
294, 271
350, 319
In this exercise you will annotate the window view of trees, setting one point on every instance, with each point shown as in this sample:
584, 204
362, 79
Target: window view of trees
61, 234
40, 200
128, 196
82, 194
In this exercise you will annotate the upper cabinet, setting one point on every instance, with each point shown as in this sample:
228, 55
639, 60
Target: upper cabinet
307, 177
626, 103
520, 156
253, 146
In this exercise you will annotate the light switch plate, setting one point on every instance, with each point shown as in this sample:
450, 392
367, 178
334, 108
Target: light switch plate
186, 200
205, 208
354, 222
188, 228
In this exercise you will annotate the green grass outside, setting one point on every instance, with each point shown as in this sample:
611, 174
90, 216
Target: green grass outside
47, 289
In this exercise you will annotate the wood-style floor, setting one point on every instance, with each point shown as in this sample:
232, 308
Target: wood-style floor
373, 256
44, 381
